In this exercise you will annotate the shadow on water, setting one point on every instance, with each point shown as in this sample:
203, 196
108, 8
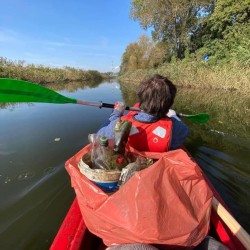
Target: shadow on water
36, 139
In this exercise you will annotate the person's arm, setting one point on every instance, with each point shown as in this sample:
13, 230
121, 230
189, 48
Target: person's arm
115, 115
180, 130
107, 129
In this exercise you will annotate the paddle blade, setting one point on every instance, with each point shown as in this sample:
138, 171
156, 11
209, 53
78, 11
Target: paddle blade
198, 118
12, 90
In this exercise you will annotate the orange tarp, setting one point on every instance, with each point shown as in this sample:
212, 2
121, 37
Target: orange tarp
167, 203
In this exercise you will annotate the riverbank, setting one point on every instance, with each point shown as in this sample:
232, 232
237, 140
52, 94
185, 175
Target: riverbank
193, 74
43, 74
230, 76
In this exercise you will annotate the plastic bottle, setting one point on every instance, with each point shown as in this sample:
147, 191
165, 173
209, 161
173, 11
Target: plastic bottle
119, 161
121, 134
107, 158
104, 154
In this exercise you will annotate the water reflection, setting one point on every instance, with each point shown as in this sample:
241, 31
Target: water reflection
72, 86
36, 139
229, 111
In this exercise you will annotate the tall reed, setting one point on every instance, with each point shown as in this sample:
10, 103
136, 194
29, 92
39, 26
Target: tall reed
230, 76
43, 74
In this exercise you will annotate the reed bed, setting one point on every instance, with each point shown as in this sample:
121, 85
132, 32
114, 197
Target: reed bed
230, 76
42, 74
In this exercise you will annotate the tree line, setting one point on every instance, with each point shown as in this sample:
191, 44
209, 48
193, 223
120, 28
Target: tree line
196, 29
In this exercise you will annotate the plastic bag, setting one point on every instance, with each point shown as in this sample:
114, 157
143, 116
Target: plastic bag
167, 203
133, 167
94, 140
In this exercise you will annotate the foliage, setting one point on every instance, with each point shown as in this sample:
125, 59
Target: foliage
143, 54
183, 33
172, 21
226, 33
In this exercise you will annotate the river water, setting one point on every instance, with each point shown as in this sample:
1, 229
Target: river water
37, 138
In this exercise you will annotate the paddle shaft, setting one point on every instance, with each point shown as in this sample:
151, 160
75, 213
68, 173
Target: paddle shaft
198, 118
232, 224
104, 105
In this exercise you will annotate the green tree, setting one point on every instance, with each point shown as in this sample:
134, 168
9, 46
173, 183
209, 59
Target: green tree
226, 34
160, 53
131, 58
144, 54
172, 21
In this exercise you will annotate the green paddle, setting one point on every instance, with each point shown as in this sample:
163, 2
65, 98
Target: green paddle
198, 118
12, 90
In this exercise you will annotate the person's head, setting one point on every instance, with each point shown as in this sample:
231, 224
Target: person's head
156, 95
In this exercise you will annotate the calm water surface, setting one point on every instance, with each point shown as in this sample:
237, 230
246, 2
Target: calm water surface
37, 139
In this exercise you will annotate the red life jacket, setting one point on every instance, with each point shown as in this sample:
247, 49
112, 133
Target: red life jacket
153, 137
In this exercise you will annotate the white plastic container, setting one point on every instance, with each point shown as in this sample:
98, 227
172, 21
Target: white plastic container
106, 180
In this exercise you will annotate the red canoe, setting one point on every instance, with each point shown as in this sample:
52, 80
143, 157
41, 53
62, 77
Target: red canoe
73, 233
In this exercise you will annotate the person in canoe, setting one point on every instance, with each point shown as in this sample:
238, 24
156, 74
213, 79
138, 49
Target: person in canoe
157, 128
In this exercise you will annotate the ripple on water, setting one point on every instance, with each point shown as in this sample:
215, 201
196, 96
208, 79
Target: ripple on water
22, 176
25, 175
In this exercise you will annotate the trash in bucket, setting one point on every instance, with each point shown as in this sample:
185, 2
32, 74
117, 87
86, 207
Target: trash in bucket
106, 180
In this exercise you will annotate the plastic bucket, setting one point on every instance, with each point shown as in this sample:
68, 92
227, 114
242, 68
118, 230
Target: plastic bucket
106, 180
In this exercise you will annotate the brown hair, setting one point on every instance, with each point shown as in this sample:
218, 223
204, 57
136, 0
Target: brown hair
156, 95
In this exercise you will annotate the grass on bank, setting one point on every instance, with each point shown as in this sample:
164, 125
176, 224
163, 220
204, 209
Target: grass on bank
188, 73
228, 76
42, 74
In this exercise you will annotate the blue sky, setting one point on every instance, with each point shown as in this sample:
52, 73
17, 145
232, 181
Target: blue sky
87, 34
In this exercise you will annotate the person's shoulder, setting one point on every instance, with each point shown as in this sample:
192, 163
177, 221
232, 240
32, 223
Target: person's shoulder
178, 125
